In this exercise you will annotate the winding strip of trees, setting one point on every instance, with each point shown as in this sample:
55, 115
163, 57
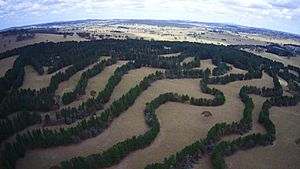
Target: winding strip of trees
70, 115
40, 100
17, 123
81, 85
191, 153
114, 154
85, 129
143, 53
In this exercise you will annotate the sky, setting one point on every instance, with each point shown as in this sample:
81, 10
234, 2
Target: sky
283, 15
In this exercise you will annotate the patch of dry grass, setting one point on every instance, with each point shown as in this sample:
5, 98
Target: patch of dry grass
129, 123
69, 85
129, 80
171, 54
283, 154
97, 83
207, 63
9, 42
295, 61
188, 59
6, 64
33, 80
183, 124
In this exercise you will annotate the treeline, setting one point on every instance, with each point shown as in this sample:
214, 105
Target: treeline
144, 53
221, 68
230, 147
40, 100
58, 55
116, 153
191, 153
88, 107
85, 129
17, 123
287, 76
219, 98
83, 81
235, 76
294, 68
120, 150
184, 73
12, 78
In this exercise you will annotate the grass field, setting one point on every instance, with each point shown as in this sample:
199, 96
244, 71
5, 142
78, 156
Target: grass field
287, 61
9, 42
207, 63
284, 153
132, 78
70, 84
6, 64
188, 59
181, 123
171, 55
33, 80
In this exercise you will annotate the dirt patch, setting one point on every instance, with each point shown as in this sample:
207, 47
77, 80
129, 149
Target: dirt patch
206, 113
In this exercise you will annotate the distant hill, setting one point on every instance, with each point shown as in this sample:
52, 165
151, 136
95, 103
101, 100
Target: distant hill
171, 23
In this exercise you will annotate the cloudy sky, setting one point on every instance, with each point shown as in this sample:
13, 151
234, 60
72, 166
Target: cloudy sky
281, 15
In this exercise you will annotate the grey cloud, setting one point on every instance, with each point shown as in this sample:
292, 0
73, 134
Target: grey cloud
293, 4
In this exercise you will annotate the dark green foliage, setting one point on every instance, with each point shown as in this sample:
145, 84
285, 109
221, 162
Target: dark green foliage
83, 81
221, 69
17, 123
142, 53
93, 104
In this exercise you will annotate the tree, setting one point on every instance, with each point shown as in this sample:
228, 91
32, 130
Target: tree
93, 93
47, 119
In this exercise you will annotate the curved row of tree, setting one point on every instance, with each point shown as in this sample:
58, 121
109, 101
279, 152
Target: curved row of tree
143, 53
83, 81
190, 154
